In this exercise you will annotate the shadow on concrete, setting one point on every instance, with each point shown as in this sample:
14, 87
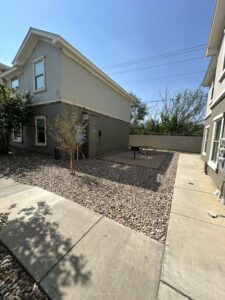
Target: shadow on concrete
38, 245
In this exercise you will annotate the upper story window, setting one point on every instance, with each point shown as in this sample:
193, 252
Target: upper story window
39, 74
15, 83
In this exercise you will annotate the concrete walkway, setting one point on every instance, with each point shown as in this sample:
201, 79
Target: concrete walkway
194, 258
75, 253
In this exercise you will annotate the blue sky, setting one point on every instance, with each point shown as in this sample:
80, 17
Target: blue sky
110, 32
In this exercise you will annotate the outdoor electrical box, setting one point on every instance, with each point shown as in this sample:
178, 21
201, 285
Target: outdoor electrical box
221, 160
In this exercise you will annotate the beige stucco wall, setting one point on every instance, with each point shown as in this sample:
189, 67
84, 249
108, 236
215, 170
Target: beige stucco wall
83, 88
166, 142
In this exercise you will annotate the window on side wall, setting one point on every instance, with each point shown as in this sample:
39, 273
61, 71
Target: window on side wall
15, 83
40, 131
222, 65
39, 74
206, 140
17, 135
212, 89
224, 60
217, 134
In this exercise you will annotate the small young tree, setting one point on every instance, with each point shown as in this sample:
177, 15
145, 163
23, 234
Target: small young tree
15, 109
69, 132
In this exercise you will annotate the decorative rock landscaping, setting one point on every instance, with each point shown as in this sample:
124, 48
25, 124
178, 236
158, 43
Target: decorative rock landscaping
15, 283
130, 195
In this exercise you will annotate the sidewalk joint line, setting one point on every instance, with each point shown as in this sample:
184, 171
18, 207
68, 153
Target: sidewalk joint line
185, 188
175, 289
197, 219
9, 186
62, 257
160, 275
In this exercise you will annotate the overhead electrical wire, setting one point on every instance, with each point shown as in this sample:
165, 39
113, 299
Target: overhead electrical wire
159, 65
157, 57
162, 100
164, 77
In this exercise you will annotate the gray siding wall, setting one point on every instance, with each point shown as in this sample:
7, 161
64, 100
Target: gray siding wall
114, 132
219, 88
166, 142
52, 73
217, 177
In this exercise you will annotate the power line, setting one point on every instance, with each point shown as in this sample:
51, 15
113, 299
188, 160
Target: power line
162, 100
164, 77
156, 57
159, 65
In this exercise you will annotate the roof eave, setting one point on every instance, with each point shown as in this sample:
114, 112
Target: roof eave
217, 28
8, 72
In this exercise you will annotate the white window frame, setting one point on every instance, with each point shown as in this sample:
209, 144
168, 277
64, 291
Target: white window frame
34, 62
212, 91
222, 71
205, 135
36, 135
16, 77
211, 163
16, 140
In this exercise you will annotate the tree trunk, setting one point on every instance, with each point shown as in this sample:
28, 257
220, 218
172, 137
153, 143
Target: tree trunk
5, 133
72, 163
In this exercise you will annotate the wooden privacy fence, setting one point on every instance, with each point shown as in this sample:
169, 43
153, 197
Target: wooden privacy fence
168, 142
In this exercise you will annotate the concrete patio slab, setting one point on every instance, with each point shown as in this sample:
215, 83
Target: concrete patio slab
13, 189
5, 182
40, 241
197, 206
168, 293
112, 262
27, 203
141, 160
74, 252
190, 174
193, 263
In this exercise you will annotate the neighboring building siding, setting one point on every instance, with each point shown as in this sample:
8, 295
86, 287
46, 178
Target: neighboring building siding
218, 177
84, 89
219, 87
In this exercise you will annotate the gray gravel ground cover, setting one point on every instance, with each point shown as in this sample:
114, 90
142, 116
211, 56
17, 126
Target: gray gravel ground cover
15, 283
127, 194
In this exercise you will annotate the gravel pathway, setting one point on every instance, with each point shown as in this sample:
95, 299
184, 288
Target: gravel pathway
15, 283
127, 194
